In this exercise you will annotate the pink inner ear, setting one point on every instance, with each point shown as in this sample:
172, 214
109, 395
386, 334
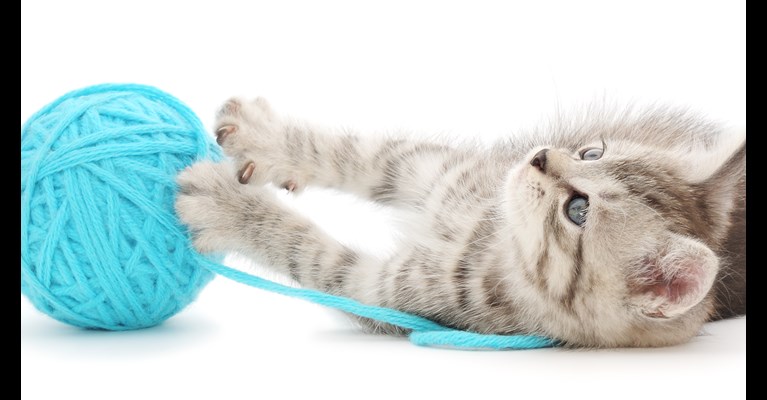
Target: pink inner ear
670, 285
676, 288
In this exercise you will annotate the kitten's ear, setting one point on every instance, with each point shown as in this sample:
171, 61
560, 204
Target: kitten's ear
730, 171
672, 278
722, 191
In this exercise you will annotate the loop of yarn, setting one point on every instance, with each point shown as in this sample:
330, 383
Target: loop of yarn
101, 246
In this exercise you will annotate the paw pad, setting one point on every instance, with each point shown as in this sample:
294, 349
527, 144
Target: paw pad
231, 107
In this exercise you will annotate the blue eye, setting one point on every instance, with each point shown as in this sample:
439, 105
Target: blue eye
577, 208
591, 154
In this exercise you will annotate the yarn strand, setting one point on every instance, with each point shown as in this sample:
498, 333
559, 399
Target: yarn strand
424, 332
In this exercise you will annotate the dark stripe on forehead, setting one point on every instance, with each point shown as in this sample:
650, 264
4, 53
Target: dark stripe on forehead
629, 170
649, 197
684, 211
703, 212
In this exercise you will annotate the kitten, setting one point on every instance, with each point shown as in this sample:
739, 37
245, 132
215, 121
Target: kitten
619, 229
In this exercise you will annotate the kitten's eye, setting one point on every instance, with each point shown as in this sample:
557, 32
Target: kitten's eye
591, 154
577, 208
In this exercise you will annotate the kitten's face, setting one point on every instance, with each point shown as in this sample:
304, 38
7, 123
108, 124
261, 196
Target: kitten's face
617, 240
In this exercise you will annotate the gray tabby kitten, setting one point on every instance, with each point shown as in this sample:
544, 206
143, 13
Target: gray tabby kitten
619, 229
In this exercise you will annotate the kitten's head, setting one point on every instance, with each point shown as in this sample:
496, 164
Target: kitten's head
618, 238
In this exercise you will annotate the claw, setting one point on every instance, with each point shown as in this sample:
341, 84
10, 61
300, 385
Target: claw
247, 172
223, 132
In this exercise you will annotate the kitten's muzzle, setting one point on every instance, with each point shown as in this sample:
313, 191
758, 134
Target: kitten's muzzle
539, 160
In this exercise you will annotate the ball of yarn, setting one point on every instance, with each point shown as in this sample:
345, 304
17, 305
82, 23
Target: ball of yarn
101, 246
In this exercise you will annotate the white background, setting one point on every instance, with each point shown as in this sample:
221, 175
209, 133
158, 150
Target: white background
470, 69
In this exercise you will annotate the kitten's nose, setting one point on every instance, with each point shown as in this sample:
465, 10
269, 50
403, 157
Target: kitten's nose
539, 160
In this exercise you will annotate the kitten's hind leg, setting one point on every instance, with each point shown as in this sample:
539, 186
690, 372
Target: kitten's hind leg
292, 155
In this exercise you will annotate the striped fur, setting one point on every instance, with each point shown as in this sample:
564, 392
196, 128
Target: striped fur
490, 246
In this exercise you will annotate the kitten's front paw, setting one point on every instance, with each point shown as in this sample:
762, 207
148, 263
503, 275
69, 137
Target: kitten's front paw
237, 114
211, 202
252, 134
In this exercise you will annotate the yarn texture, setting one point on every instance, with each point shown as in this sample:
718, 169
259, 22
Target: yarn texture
101, 246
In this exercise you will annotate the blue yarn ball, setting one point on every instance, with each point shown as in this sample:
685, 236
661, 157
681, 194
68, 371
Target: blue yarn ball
101, 246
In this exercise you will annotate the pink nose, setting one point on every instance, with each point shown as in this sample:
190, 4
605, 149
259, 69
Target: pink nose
539, 160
